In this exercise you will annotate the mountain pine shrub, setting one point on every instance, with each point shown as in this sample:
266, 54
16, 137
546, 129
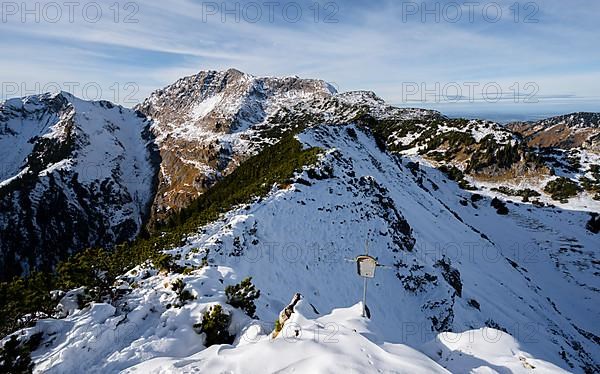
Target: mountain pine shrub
182, 294
593, 225
450, 274
242, 296
562, 189
500, 206
15, 356
215, 324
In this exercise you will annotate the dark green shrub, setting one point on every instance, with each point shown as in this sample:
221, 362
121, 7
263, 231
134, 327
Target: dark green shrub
21, 296
15, 357
474, 303
413, 167
242, 296
352, 133
164, 262
525, 193
452, 172
466, 185
215, 325
205, 259
591, 185
455, 174
562, 189
456, 140
500, 206
493, 154
593, 225
86, 269
184, 295
450, 274
476, 197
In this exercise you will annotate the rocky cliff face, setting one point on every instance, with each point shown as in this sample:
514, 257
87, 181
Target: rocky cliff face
208, 123
75, 174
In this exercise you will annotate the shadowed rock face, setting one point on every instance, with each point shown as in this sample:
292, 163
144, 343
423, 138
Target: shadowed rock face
568, 131
77, 174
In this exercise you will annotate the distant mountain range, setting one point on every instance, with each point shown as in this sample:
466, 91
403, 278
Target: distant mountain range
568, 131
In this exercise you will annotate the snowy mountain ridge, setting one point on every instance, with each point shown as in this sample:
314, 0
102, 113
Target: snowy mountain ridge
206, 124
470, 250
455, 268
93, 161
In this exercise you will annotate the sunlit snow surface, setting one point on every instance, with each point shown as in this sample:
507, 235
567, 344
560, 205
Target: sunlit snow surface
532, 273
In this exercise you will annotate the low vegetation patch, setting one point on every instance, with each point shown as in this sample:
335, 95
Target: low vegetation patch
490, 153
455, 174
242, 296
476, 197
562, 189
454, 141
450, 274
592, 185
183, 295
215, 324
500, 206
593, 225
15, 355
525, 193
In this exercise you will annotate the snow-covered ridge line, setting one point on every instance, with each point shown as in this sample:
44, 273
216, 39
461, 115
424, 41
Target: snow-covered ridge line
205, 125
455, 263
94, 162
445, 277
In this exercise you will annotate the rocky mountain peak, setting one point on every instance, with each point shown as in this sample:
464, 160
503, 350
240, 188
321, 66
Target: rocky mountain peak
578, 120
24, 106
205, 124
222, 101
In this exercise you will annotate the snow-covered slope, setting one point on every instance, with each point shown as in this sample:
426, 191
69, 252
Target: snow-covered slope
342, 341
454, 264
502, 161
74, 174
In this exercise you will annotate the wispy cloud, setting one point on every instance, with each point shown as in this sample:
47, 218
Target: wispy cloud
377, 47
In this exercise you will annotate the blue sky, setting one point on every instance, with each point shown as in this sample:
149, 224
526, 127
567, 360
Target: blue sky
487, 59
